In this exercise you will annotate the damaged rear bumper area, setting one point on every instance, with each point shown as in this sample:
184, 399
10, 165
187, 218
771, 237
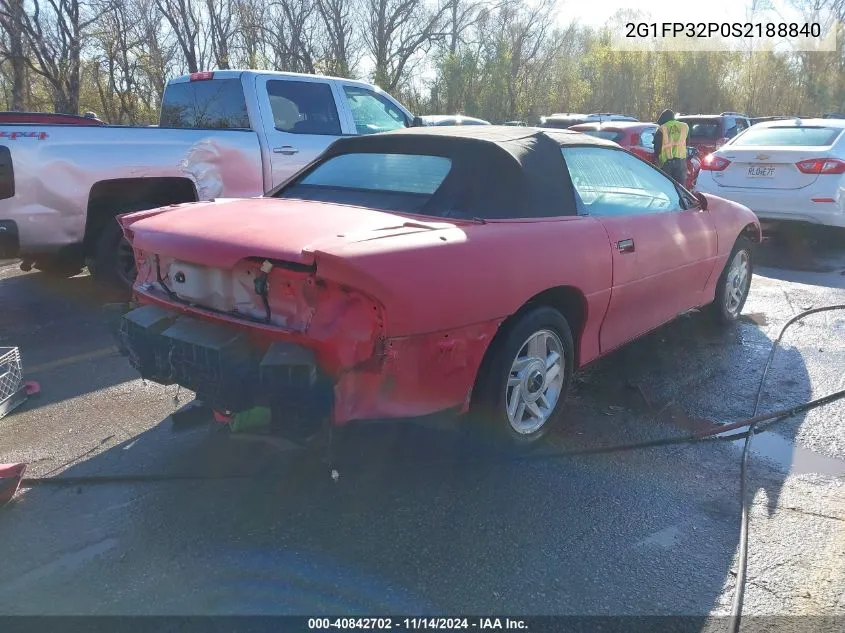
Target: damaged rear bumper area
225, 370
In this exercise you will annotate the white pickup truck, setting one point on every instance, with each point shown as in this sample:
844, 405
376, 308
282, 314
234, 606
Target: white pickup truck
221, 134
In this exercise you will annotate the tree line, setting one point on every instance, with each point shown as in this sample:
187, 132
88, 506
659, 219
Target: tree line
498, 60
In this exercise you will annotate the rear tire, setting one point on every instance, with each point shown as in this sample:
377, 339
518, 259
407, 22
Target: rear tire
114, 261
522, 386
734, 283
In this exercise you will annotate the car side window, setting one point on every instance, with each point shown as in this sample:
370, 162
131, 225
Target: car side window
741, 125
303, 107
206, 105
730, 127
613, 182
647, 138
372, 112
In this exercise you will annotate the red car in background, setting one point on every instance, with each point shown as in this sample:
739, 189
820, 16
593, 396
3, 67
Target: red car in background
637, 138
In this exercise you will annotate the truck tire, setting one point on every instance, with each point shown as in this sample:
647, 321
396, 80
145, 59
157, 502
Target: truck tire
114, 261
522, 386
734, 283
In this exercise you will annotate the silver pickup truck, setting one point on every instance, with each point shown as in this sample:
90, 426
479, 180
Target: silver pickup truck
221, 134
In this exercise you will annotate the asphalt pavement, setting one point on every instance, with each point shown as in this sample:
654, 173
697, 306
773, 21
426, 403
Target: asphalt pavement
429, 520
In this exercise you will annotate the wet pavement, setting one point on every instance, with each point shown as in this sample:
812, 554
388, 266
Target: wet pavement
430, 520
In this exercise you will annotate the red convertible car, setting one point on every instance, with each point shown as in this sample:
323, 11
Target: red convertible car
401, 274
638, 138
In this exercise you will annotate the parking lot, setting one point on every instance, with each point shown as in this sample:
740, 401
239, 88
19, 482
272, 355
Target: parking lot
424, 519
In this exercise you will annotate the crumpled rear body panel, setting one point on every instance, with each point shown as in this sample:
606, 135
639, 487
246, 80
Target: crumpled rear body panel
374, 377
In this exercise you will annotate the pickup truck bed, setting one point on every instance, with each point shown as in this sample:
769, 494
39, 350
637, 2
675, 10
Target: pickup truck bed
67, 181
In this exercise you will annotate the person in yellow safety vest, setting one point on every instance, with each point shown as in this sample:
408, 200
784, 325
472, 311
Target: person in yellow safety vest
670, 146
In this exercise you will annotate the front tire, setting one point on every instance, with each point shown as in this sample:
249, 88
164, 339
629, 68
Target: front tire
734, 283
522, 386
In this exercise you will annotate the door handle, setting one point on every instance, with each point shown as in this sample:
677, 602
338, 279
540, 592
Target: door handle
625, 246
287, 150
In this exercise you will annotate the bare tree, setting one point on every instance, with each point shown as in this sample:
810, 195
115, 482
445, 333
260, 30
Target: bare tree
341, 49
523, 35
251, 17
221, 29
186, 23
56, 32
159, 52
13, 50
291, 35
461, 16
396, 32
115, 70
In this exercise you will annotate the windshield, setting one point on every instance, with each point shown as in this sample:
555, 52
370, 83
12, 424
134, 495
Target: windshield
703, 127
789, 136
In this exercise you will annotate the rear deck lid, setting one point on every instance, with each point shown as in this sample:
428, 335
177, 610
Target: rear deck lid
703, 129
219, 234
768, 157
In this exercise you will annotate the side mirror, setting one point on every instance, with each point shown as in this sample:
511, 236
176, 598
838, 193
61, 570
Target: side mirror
417, 122
702, 201
692, 152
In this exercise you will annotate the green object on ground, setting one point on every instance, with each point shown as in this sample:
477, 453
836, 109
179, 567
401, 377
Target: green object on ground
255, 419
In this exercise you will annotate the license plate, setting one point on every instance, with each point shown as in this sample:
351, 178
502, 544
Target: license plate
761, 171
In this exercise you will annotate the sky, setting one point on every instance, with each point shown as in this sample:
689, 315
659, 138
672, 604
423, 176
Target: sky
598, 12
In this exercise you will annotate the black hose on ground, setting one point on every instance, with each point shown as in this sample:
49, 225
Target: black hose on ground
755, 424
760, 422
742, 563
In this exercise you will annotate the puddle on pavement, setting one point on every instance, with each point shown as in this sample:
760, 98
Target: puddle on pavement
673, 415
774, 448
793, 458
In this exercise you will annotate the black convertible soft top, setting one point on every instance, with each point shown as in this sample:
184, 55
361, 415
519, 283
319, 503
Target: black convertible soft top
497, 171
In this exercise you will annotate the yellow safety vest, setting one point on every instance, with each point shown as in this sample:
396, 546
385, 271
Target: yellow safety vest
674, 140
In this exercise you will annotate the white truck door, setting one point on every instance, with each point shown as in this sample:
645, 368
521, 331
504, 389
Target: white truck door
301, 120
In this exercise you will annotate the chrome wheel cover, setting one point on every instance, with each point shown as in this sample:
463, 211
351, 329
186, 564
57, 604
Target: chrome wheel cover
535, 382
737, 283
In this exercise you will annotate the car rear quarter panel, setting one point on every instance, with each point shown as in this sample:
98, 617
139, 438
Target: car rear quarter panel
730, 219
475, 273
445, 295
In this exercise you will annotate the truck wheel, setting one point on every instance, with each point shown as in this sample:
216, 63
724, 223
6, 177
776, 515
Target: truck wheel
114, 259
734, 283
524, 383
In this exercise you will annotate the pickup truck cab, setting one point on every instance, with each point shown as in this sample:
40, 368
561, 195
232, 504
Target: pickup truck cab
222, 134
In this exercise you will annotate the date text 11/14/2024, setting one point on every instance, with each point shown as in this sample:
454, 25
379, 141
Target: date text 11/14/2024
418, 624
